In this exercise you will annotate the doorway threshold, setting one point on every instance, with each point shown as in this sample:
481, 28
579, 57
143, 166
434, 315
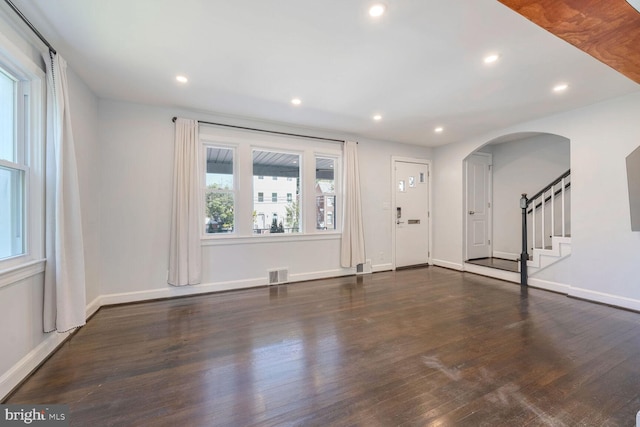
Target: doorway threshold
498, 263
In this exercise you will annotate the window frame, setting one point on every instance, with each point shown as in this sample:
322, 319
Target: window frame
233, 190
246, 142
337, 183
29, 139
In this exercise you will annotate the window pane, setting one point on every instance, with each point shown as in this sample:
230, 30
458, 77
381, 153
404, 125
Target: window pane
219, 212
11, 212
219, 200
281, 215
7, 117
325, 194
219, 168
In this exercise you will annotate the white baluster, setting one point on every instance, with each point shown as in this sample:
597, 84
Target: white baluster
542, 245
562, 200
553, 211
533, 224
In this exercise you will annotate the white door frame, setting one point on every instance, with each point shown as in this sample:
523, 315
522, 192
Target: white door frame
465, 237
392, 213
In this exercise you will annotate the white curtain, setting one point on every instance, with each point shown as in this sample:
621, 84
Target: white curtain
64, 277
352, 245
187, 219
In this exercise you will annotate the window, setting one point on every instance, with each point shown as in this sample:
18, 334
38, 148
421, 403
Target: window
286, 214
21, 164
268, 185
325, 193
219, 190
12, 174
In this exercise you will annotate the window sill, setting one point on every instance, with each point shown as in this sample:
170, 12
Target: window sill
268, 238
21, 272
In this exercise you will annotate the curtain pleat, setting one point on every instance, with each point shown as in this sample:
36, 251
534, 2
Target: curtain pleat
185, 253
352, 244
64, 277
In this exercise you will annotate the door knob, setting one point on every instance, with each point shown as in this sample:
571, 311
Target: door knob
471, 212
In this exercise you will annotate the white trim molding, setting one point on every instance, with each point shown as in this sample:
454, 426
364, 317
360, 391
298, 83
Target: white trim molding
609, 299
447, 264
24, 271
21, 370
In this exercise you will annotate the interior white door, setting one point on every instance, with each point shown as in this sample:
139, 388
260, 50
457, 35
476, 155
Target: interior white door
478, 206
411, 213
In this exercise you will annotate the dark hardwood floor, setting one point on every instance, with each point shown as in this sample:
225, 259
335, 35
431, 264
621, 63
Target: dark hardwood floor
416, 347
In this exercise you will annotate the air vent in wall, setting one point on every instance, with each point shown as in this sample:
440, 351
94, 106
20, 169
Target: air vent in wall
277, 277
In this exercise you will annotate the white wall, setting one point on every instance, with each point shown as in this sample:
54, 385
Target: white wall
84, 120
605, 261
136, 154
24, 345
522, 166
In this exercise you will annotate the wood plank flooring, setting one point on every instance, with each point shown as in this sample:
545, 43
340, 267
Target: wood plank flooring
416, 347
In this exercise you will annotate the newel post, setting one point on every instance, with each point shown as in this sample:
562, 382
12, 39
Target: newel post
524, 256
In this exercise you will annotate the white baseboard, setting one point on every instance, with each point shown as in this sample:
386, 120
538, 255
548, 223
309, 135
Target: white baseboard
447, 264
506, 255
601, 297
381, 267
18, 372
302, 277
93, 306
548, 285
176, 291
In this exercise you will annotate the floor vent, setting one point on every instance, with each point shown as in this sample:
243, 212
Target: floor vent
364, 268
277, 277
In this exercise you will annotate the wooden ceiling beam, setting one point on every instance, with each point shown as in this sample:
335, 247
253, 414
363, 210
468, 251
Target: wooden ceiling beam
607, 30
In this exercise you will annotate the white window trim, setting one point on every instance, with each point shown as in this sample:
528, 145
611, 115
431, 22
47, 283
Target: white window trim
32, 84
246, 142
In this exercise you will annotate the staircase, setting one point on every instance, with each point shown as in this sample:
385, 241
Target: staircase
548, 238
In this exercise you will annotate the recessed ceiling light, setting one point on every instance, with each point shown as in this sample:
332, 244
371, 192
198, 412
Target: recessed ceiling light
377, 10
296, 101
182, 79
377, 117
560, 87
490, 59
439, 129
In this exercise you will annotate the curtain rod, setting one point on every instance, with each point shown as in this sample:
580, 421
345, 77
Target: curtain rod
266, 131
30, 25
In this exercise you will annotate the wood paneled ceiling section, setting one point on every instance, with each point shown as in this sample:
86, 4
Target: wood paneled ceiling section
607, 30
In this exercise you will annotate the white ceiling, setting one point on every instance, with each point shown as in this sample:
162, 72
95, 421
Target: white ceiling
419, 66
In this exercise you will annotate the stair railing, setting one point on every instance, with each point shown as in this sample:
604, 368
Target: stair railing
544, 197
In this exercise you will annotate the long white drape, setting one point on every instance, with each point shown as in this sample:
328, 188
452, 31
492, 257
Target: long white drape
185, 253
64, 277
352, 245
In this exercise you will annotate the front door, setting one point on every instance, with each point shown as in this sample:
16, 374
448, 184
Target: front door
478, 206
411, 213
